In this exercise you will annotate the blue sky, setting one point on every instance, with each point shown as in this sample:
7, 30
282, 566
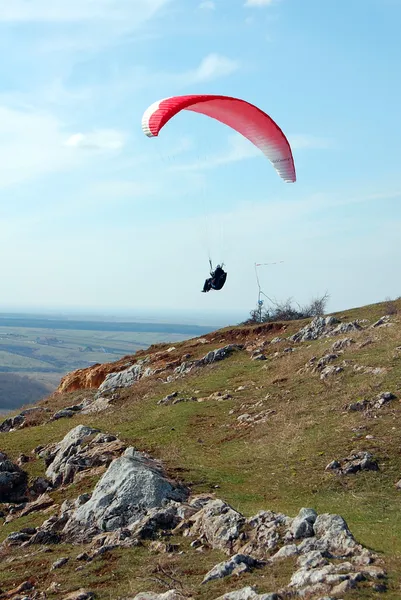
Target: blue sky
96, 216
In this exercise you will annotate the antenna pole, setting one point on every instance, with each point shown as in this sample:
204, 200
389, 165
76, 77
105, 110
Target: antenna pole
260, 293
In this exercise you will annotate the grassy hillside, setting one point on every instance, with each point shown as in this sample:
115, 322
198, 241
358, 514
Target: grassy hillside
277, 461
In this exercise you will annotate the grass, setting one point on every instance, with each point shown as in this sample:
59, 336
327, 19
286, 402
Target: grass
277, 465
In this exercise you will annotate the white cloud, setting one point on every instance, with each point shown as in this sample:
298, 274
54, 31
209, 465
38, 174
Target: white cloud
78, 10
213, 67
102, 139
207, 5
259, 2
31, 144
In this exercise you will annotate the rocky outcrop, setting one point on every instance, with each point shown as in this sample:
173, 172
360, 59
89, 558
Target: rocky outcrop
135, 502
133, 485
83, 448
91, 377
321, 327
125, 378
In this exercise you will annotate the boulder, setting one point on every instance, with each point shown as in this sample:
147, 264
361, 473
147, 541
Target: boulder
218, 525
132, 485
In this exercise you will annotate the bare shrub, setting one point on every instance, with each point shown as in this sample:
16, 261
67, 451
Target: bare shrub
391, 307
287, 311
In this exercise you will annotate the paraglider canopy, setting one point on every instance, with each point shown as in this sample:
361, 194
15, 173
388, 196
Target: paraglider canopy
249, 120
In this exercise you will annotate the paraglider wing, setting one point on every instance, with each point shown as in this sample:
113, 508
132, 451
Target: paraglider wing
247, 119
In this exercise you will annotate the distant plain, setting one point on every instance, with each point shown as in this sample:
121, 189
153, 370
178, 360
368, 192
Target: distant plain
36, 351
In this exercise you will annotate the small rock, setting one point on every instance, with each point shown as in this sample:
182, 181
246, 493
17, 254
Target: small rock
64, 414
260, 356
82, 557
342, 344
60, 563
170, 595
302, 526
359, 461
239, 563
381, 321
343, 587
80, 594
286, 552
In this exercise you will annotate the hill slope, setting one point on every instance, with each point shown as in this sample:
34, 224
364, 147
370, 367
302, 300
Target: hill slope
255, 424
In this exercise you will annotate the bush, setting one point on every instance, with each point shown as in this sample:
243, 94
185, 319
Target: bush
286, 311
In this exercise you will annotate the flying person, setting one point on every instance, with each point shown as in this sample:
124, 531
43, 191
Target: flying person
216, 280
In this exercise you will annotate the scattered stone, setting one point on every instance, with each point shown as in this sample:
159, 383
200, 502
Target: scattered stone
98, 405
170, 595
211, 357
83, 556
369, 370
259, 356
59, 563
321, 366
358, 461
248, 593
286, 552
382, 321
164, 547
330, 372
367, 405
277, 340
167, 399
18, 421
358, 406
18, 592
262, 417
239, 563
340, 345
80, 594
44, 501
383, 399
